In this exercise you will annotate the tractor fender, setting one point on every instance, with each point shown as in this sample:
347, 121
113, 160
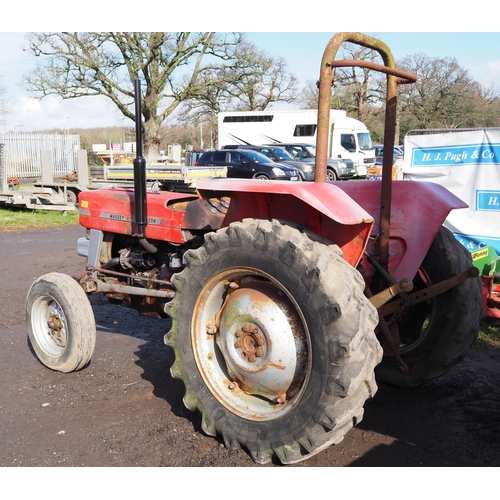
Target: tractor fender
418, 210
322, 207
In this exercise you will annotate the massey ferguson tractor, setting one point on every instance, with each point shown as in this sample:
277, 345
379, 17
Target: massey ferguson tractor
287, 300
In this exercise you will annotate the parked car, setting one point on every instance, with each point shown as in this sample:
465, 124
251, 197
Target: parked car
245, 164
280, 155
379, 153
337, 169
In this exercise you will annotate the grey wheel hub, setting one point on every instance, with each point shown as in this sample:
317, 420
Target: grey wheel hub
251, 344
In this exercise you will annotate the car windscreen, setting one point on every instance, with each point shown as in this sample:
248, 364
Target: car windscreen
365, 141
282, 154
257, 157
311, 149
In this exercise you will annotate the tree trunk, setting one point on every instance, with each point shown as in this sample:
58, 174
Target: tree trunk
151, 140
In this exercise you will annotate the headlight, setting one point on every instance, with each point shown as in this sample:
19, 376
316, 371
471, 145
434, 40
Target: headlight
277, 171
308, 168
342, 165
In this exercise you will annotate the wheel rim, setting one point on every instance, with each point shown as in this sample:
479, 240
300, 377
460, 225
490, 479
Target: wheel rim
49, 326
330, 176
71, 197
251, 344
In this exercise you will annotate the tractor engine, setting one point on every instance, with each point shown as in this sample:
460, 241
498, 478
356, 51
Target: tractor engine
133, 276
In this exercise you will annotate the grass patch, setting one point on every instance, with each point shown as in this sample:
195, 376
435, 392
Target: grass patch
489, 335
20, 219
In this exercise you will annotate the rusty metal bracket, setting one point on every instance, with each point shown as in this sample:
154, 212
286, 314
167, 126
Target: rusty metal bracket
402, 288
390, 336
95, 286
429, 292
406, 285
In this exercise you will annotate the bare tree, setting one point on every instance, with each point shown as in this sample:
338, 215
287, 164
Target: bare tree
445, 96
212, 99
252, 82
354, 89
5, 104
257, 79
169, 66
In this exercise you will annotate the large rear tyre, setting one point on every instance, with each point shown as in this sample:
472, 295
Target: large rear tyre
61, 325
273, 339
436, 334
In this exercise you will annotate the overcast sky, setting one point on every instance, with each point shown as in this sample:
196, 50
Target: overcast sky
479, 52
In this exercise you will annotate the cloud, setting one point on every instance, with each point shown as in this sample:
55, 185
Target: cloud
53, 112
491, 73
30, 105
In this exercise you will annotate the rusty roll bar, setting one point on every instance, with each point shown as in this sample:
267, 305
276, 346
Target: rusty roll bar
394, 78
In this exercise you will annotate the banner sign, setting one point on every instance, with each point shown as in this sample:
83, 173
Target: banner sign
467, 163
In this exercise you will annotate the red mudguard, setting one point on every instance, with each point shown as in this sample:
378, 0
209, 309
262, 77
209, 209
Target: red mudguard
418, 211
346, 213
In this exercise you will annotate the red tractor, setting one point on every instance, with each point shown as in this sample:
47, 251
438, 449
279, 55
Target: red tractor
287, 299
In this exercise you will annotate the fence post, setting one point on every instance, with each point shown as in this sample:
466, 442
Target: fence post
82, 166
47, 175
3, 171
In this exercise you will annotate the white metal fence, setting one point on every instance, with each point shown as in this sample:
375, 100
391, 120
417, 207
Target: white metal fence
23, 153
3, 176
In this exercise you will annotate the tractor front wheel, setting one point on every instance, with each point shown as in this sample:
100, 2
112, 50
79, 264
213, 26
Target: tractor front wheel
273, 339
61, 325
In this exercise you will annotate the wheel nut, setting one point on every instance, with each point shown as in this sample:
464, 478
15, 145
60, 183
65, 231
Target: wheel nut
211, 328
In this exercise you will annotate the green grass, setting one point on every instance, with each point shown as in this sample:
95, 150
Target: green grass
489, 335
19, 219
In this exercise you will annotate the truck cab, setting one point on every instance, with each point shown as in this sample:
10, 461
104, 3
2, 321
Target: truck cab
350, 139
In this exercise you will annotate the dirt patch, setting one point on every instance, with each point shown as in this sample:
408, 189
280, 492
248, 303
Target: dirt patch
125, 409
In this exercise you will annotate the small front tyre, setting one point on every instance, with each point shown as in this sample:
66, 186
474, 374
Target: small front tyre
60, 321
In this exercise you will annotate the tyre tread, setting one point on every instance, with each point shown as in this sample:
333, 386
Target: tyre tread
352, 341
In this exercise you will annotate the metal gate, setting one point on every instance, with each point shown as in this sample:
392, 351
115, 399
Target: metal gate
3, 176
23, 153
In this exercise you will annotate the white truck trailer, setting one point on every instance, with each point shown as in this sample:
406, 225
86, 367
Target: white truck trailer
349, 138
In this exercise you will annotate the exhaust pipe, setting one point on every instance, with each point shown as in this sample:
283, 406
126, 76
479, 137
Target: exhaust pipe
140, 176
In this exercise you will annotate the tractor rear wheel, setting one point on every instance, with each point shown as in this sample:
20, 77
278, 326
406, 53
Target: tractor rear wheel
273, 339
61, 325
436, 334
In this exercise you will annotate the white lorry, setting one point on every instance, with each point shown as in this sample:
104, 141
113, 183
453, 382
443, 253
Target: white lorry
349, 138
